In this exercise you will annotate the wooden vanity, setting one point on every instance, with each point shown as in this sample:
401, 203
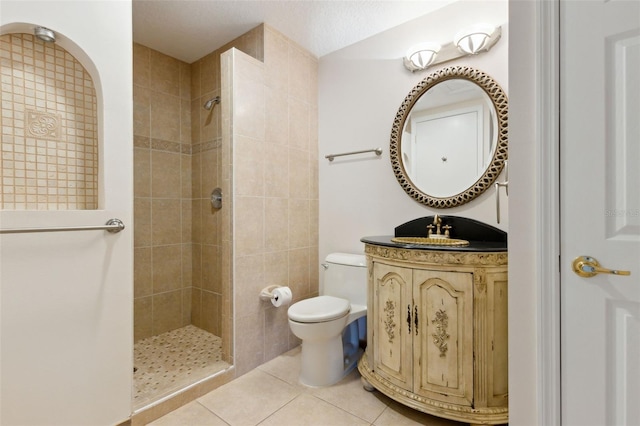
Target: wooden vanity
437, 326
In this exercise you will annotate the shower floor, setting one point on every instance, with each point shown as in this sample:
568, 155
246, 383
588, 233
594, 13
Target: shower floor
170, 361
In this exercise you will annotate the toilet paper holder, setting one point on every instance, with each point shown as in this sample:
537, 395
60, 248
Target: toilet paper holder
267, 292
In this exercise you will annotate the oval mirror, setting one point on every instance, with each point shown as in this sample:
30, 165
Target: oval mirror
449, 137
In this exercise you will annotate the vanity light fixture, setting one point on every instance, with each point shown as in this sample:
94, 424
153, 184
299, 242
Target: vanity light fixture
473, 39
469, 41
422, 55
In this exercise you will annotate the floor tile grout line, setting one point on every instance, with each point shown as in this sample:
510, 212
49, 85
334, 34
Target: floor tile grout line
274, 413
212, 412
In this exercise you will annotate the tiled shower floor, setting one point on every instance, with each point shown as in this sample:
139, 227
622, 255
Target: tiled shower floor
170, 361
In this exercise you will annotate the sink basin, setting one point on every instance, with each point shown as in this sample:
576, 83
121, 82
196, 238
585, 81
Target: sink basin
430, 241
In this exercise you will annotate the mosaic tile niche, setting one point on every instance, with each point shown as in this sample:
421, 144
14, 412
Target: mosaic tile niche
49, 128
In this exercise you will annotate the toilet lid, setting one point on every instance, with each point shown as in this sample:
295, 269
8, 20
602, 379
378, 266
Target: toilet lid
319, 309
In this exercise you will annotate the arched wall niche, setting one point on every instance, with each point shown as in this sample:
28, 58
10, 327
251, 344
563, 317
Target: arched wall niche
52, 123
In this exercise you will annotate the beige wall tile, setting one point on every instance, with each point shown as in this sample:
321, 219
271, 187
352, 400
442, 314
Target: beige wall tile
165, 117
276, 268
276, 230
276, 341
186, 306
196, 221
248, 282
186, 218
187, 265
208, 172
299, 273
299, 73
249, 167
196, 273
195, 79
167, 268
208, 73
211, 268
196, 307
276, 170
165, 222
277, 118
209, 226
141, 64
141, 172
299, 221
299, 124
142, 277
276, 59
166, 175
249, 236
143, 319
210, 312
167, 311
141, 111
142, 222
185, 121
185, 80
164, 73
299, 173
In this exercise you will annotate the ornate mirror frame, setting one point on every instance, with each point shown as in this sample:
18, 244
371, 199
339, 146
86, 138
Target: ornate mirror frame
500, 103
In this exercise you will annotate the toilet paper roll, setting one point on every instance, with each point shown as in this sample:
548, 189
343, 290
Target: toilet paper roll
281, 296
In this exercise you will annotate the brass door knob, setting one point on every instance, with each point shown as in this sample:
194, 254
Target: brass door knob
587, 266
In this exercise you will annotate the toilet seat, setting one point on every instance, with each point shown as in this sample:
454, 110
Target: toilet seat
319, 309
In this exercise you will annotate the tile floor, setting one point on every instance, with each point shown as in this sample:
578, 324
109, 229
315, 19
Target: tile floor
271, 395
170, 361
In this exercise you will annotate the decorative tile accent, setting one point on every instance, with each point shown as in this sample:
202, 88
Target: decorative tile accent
163, 145
43, 125
170, 361
49, 128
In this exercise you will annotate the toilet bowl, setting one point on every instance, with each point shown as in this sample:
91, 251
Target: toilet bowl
332, 325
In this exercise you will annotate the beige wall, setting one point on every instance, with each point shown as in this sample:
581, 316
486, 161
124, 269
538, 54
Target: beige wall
190, 257
270, 141
49, 128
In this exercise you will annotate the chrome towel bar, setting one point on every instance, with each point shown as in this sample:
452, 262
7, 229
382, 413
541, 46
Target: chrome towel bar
330, 157
112, 225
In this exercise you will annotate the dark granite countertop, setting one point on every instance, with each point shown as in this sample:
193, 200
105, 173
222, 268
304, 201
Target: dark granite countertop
476, 246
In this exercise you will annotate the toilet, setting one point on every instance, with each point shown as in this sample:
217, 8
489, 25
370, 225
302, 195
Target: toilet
332, 326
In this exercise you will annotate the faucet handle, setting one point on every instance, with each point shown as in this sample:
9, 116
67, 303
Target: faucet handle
446, 229
430, 230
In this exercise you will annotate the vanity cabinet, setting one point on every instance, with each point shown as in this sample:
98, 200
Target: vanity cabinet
437, 331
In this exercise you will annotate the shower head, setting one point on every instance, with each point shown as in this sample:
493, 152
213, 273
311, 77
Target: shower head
211, 102
44, 34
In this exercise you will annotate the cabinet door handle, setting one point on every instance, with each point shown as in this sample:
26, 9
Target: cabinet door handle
409, 317
415, 318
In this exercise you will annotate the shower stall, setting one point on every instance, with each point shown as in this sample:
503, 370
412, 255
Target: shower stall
178, 280
242, 119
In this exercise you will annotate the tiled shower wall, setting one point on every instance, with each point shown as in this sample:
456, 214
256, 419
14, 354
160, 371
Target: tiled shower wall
270, 143
178, 255
49, 128
212, 289
162, 193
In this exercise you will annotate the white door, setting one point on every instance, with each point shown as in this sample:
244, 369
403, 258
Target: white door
66, 298
600, 211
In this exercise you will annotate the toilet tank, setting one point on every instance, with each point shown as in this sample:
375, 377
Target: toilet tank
345, 276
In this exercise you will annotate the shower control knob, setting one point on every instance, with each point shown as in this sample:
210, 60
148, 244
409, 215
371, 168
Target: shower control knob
216, 198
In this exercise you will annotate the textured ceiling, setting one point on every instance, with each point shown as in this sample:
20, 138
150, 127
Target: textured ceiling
190, 29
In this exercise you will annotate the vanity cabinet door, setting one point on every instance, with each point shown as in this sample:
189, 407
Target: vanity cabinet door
443, 346
392, 338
